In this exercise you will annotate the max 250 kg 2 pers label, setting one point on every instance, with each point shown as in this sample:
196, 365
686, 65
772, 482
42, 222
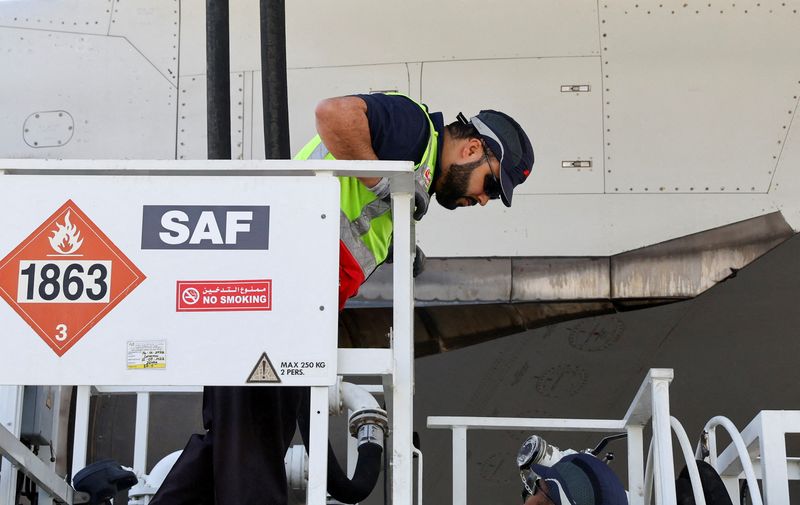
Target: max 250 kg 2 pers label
298, 367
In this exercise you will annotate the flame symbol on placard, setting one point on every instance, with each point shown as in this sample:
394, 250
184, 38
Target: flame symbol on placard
66, 238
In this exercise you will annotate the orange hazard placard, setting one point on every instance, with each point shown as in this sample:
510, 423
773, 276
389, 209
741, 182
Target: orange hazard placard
65, 277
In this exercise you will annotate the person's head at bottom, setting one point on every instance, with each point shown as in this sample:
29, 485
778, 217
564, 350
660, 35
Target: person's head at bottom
577, 479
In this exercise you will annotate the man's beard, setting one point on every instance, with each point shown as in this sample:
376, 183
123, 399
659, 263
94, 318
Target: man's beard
455, 183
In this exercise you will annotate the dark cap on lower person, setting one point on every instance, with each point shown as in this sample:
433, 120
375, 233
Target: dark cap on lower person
510, 145
584, 480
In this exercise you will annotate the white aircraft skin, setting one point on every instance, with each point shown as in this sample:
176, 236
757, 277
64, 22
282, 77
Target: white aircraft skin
687, 121
651, 120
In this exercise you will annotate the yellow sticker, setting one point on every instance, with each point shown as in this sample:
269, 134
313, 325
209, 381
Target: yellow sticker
147, 354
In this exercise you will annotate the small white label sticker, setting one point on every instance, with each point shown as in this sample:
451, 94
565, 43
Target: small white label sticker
147, 354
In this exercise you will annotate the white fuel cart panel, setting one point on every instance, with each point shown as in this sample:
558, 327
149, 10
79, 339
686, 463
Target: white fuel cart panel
168, 279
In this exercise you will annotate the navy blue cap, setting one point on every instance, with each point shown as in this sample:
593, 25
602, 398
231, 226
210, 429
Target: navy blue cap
509, 144
582, 479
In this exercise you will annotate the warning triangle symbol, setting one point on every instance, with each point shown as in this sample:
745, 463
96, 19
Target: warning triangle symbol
263, 371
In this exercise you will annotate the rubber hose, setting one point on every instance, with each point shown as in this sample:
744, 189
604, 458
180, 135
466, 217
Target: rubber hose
368, 467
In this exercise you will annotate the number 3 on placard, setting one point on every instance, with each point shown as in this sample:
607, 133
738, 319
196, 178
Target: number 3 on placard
62, 332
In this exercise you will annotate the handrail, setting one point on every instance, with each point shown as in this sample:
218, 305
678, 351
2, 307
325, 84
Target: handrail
741, 450
418, 454
226, 168
650, 402
648, 475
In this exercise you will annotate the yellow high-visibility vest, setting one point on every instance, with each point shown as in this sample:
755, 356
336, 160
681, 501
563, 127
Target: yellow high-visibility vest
365, 223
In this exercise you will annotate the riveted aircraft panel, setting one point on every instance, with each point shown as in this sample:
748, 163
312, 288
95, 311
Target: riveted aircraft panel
579, 225
349, 32
74, 16
192, 124
308, 86
245, 38
697, 96
556, 100
193, 37
152, 27
785, 186
112, 102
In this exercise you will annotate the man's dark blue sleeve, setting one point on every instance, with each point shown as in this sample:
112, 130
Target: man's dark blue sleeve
397, 126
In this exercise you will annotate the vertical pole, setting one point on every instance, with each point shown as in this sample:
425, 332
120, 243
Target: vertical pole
218, 80
459, 465
636, 464
774, 471
81, 429
318, 447
403, 343
273, 79
662, 441
140, 434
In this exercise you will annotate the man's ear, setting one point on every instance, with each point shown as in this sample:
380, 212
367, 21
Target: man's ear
472, 147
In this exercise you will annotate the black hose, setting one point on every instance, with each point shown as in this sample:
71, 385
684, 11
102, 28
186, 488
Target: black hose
365, 476
274, 95
218, 80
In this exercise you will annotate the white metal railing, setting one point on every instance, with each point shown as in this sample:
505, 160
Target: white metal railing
758, 451
691, 465
351, 362
737, 443
650, 403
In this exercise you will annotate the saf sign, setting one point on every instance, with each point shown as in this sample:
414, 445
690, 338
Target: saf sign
205, 227
65, 277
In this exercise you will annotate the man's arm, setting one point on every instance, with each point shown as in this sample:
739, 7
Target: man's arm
343, 127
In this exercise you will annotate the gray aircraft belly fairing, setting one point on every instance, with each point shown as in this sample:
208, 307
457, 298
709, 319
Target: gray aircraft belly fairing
464, 301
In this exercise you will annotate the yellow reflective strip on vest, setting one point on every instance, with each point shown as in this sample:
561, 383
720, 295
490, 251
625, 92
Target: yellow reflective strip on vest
352, 240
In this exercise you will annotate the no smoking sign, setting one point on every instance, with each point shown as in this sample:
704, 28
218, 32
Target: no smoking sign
65, 277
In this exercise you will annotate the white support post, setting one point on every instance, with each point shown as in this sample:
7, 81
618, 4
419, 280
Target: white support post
635, 464
140, 435
11, 419
459, 465
403, 342
662, 439
352, 450
318, 451
712, 447
774, 472
81, 429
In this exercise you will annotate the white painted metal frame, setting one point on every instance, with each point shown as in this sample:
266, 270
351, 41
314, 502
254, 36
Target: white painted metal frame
762, 441
650, 403
11, 420
395, 365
